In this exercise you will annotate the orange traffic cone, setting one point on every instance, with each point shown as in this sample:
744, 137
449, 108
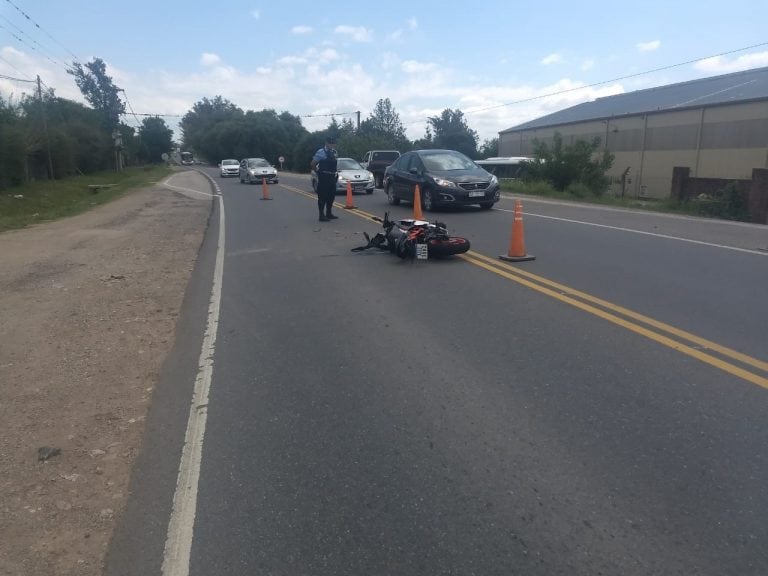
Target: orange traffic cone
517, 243
417, 215
350, 205
264, 189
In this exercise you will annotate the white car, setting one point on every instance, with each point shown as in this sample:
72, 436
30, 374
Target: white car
229, 167
350, 171
254, 170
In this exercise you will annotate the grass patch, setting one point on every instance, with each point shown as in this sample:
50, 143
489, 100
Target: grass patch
53, 199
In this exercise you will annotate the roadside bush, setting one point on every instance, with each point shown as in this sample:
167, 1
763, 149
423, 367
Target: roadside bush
579, 190
728, 203
530, 187
565, 164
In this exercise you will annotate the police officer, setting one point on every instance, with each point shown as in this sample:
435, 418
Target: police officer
324, 163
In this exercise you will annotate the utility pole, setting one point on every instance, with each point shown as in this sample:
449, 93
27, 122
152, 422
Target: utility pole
45, 128
358, 119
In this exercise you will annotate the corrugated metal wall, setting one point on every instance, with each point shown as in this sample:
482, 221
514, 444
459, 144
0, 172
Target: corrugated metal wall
723, 141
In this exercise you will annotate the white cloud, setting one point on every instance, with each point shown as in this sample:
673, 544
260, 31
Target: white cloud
321, 80
587, 65
291, 60
414, 67
648, 46
412, 23
551, 59
356, 33
720, 65
301, 29
208, 59
311, 56
255, 14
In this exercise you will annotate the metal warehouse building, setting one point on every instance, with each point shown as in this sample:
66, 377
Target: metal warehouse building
716, 128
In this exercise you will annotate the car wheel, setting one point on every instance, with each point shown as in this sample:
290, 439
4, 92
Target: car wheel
486, 205
369, 191
426, 201
241, 180
391, 198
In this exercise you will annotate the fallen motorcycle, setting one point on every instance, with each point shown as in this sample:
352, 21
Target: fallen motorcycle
415, 239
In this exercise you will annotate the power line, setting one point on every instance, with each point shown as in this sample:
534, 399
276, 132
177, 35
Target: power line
617, 79
159, 115
3, 76
41, 29
138, 122
327, 115
14, 67
33, 40
30, 46
626, 77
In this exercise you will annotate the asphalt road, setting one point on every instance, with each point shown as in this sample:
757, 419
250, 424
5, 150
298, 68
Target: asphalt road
599, 410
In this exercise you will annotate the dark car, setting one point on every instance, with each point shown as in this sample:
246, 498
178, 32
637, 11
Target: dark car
445, 178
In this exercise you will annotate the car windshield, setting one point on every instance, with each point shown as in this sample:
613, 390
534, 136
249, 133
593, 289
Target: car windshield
348, 164
229, 162
443, 161
258, 163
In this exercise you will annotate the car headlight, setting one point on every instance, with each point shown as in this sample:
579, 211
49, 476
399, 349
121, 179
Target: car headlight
443, 183
494, 180
370, 175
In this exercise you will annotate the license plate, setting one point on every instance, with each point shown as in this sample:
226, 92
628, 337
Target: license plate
476, 193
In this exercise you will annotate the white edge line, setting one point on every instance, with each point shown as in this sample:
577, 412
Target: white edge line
665, 236
183, 189
178, 542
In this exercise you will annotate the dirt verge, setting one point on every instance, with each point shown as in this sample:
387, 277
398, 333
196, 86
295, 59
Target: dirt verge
88, 308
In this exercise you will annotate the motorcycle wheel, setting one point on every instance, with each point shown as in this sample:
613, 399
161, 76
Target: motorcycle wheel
447, 247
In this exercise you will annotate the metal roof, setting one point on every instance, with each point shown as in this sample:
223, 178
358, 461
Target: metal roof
725, 89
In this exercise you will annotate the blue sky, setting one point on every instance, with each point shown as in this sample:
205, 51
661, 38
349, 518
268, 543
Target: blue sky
492, 60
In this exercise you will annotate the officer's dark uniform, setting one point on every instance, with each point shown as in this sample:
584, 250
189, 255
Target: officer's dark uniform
326, 182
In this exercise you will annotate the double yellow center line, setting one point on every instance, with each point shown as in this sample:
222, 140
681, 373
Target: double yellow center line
721, 357
725, 359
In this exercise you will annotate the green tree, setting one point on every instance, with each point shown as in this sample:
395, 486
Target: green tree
562, 165
489, 148
156, 139
12, 155
382, 130
425, 142
99, 90
452, 131
199, 123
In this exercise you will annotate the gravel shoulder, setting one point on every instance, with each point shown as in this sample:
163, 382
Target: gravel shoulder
89, 307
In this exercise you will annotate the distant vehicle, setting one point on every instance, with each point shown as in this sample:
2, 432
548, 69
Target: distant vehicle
255, 169
229, 167
350, 170
187, 159
445, 178
376, 161
505, 168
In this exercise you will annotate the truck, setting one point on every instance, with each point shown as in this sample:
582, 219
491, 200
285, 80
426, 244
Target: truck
376, 161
